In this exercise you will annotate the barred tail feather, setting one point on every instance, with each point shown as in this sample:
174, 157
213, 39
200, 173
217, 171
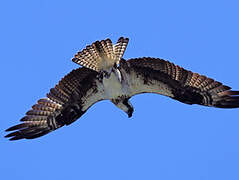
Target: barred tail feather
119, 48
101, 55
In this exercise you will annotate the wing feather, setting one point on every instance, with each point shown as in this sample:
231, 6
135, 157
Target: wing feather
159, 76
64, 104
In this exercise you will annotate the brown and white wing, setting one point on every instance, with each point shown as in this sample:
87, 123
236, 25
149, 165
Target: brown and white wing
159, 76
64, 104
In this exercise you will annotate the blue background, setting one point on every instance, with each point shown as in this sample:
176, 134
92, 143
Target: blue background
164, 139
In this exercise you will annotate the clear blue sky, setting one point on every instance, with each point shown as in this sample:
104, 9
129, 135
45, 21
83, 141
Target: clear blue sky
164, 139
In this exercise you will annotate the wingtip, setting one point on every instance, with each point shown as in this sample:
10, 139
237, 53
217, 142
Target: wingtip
228, 93
16, 127
8, 135
227, 99
15, 138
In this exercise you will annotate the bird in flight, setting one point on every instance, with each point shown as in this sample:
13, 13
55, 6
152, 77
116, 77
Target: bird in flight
105, 75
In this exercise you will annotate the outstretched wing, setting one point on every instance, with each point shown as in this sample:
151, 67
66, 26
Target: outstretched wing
159, 76
64, 104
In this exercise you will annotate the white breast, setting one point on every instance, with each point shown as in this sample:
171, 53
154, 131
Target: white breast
113, 87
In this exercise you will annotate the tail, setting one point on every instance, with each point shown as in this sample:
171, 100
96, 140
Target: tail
101, 55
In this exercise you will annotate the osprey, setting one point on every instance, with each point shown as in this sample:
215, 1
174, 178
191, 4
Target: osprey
105, 75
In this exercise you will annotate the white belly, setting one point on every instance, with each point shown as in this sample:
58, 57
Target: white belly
113, 87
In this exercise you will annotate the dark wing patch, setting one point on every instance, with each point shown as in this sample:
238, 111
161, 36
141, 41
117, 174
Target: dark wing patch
62, 106
184, 85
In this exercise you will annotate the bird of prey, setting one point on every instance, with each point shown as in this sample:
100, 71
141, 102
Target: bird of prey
105, 75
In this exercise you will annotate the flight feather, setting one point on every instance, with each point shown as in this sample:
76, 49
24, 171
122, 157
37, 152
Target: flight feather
64, 104
163, 77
